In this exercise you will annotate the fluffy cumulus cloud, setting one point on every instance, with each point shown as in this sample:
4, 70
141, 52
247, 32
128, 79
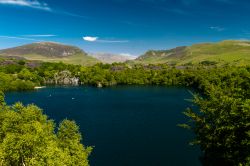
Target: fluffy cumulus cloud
27, 3
90, 38
96, 39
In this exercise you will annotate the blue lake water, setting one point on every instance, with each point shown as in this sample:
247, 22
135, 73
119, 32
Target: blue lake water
127, 125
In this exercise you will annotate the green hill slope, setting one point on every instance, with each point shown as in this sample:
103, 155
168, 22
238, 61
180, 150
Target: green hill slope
230, 51
50, 52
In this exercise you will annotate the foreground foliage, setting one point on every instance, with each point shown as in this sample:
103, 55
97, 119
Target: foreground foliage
222, 125
28, 137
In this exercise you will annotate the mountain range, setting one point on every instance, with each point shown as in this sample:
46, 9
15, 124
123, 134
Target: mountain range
235, 52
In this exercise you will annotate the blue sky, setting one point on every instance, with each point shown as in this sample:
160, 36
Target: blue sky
123, 26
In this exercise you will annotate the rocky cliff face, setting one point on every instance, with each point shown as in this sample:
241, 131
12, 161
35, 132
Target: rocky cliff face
64, 78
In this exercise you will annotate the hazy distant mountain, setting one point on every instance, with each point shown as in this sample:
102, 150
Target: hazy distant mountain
229, 51
50, 52
111, 58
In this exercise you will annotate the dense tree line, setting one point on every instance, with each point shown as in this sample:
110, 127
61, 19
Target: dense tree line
222, 124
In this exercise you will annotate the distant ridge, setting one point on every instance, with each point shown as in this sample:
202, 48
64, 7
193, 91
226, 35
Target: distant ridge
50, 52
229, 51
111, 58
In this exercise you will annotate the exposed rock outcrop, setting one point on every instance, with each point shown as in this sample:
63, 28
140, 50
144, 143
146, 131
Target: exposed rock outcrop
64, 78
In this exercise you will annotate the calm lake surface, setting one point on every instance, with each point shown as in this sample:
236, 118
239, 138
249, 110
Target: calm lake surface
129, 126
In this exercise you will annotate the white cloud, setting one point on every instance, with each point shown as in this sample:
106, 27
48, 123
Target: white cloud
46, 35
217, 28
90, 38
27, 3
20, 38
37, 4
96, 39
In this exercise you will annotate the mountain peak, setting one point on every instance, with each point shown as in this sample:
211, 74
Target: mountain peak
48, 49
50, 52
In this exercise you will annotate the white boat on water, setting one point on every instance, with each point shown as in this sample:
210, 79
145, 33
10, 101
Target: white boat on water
39, 87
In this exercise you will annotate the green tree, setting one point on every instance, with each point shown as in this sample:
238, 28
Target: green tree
222, 129
70, 141
2, 102
27, 137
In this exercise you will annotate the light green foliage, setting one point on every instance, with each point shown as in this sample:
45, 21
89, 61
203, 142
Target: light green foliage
12, 82
69, 140
25, 74
77, 59
27, 137
2, 102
